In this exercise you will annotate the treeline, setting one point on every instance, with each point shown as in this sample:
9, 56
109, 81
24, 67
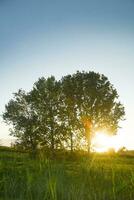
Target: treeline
66, 113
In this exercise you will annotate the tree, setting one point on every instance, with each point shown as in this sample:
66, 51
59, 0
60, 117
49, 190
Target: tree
94, 101
46, 101
20, 114
122, 149
36, 116
69, 111
66, 111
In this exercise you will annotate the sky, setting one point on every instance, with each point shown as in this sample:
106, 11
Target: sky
57, 37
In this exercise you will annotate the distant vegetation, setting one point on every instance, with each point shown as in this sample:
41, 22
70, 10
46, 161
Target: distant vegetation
64, 114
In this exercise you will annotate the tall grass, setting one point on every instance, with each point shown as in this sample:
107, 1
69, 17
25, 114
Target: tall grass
84, 178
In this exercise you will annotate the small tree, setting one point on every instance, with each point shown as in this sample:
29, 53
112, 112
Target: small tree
24, 120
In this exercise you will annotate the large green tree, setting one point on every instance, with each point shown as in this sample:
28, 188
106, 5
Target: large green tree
91, 100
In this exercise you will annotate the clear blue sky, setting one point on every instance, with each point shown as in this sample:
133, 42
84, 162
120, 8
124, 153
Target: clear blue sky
44, 37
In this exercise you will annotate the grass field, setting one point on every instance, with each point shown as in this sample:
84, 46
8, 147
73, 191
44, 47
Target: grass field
96, 177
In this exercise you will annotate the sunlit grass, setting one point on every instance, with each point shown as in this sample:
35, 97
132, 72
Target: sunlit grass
98, 177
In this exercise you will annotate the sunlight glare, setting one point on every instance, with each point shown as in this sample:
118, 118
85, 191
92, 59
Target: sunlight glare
102, 142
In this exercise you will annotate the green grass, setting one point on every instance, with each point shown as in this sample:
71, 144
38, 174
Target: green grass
98, 177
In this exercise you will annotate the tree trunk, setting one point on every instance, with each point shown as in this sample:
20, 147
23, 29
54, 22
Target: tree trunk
52, 137
33, 152
71, 142
33, 147
52, 144
89, 145
88, 136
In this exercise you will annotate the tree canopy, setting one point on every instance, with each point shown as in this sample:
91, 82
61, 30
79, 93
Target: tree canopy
61, 113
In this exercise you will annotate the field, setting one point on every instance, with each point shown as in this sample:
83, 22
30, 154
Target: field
77, 177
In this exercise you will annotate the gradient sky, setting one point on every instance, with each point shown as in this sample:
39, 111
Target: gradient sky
57, 37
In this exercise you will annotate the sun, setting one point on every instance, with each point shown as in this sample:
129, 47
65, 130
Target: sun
102, 142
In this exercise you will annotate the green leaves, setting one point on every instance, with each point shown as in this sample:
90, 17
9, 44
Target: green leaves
50, 114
